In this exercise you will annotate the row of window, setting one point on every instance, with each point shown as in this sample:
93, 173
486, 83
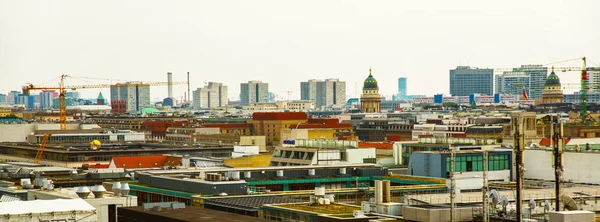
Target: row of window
475, 163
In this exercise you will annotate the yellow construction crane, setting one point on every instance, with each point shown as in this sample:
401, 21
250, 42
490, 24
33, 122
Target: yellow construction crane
62, 90
38, 156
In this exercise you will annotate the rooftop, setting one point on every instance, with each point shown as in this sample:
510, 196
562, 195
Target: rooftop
320, 208
187, 214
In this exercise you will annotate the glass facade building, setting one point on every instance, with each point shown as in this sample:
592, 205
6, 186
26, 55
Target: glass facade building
513, 83
465, 81
537, 78
401, 88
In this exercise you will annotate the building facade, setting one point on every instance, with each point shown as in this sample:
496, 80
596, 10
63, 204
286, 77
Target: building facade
270, 125
370, 99
129, 97
594, 79
213, 95
254, 92
513, 83
324, 93
465, 80
11, 97
552, 90
2, 98
46, 99
537, 78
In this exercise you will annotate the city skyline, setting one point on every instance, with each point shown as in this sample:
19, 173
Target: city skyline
39, 42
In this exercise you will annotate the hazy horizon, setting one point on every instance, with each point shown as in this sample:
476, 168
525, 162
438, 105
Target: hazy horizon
283, 43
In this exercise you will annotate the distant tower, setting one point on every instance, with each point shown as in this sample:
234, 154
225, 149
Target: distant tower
170, 84
552, 90
100, 99
370, 100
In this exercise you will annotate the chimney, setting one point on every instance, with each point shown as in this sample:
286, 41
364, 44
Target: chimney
170, 84
116, 188
125, 189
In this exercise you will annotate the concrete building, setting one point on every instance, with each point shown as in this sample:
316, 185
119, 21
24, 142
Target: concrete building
105, 203
465, 81
513, 83
324, 93
254, 92
270, 125
537, 77
469, 164
129, 97
594, 79
46, 99
552, 90
402, 92
281, 106
370, 99
11, 97
213, 95
27, 100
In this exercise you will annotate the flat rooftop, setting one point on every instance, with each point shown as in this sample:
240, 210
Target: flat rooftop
186, 214
330, 209
538, 194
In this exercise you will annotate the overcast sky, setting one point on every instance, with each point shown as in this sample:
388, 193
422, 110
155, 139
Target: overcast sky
286, 42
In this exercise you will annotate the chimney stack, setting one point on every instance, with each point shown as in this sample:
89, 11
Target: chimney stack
170, 83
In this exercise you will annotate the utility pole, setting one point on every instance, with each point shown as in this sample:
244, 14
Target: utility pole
558, 152
485, 188
519, 142
452, 183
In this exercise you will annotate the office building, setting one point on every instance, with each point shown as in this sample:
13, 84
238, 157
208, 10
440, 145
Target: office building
513, 83
72, 95
213, 95
537, 77
594, 79
47, 99
370, 99
324, 93
11, 97
401, 88
27, 100
254, 92
2, 98
129, 97
465, 80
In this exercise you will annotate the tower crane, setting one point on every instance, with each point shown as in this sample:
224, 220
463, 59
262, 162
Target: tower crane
62, 90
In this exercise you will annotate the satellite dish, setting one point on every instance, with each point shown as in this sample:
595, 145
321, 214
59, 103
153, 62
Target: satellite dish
531, 204
494, 196
568, 202
546, 206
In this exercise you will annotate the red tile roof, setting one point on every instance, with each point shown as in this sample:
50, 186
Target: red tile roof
378, 145
279, 116
132, 162
546, 141
228, 125
98, 166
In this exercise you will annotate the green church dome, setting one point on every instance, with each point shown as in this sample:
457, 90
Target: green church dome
370, 82
552, 79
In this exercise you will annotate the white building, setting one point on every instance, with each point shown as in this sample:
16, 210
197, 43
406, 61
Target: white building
324, 93
46, 99
101, 204
213, 95
136, 95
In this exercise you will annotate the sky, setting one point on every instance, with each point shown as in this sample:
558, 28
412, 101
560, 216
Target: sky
286, 42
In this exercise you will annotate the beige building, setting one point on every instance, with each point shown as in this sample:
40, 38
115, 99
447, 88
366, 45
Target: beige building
370, 99
254, 92
270, 125
552, 90
213, 95
296, 105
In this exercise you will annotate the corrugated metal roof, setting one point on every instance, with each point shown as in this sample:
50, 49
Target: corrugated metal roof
7, 198
45, 206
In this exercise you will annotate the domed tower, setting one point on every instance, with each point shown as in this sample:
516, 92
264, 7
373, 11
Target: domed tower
370, 99
552, 90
